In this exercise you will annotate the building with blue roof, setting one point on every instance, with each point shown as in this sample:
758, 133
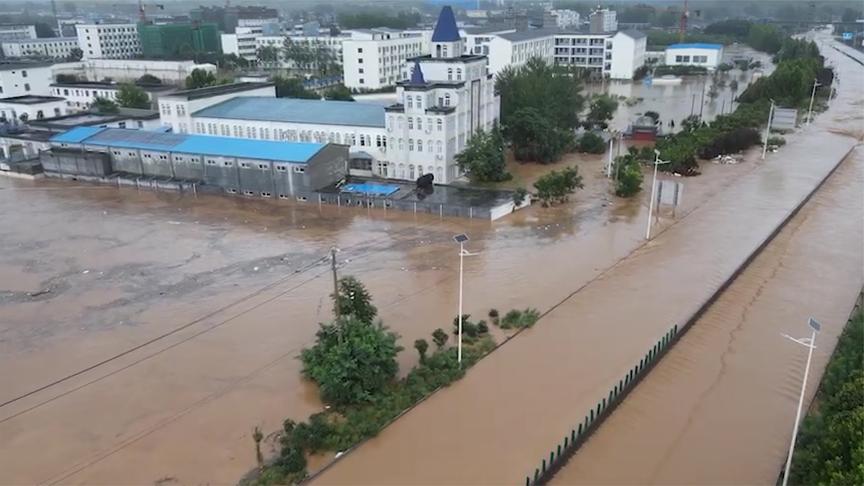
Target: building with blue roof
236, 165
704, 55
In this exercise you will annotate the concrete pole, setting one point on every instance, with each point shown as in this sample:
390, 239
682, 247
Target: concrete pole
461, 260
800, 406
767, 130
812, 98
335, 282
653, 193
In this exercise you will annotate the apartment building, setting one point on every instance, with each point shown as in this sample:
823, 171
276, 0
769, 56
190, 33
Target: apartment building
53, 47
516, 48
243, 42
377, 58
25, 78
603, 20
14, 32
108, 41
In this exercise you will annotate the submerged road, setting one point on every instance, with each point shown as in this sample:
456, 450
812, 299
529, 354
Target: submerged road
495, 425
719, 408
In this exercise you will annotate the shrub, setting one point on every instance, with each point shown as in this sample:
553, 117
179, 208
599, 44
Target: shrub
629, 176
421, 346
439, 337
557, 186
482, 327
776, 141
520, 318
519, 196
730, 142
592, 144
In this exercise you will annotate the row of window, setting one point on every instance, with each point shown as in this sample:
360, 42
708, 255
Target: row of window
696, 59
227, 163
265, 133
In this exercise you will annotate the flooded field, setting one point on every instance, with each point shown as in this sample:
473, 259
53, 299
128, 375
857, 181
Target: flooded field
719, 408
495, 425
144, 335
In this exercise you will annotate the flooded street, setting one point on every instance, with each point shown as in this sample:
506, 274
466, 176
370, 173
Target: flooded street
495, 425
719, 408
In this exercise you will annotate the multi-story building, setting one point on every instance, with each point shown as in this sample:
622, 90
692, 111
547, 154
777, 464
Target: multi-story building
516, 48
14, 32
173, 40
705, 55
81, 96
603, 20
243, 42
376, 58
448, 98
617, 55
53, 47
108, 41
561, 19
25, 78
31, 107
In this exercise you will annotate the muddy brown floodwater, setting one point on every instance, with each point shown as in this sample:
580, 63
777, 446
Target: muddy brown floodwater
144, 335
495, 425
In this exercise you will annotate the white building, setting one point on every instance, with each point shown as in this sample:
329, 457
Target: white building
592, 52
31, 107
603, 20
516, 48
243, 42
81, 96
17, 32
628, 54
24, 78
53, 47
331, 43
120, 70
376, 58
705, 55
176, 109
108, 41
566, 19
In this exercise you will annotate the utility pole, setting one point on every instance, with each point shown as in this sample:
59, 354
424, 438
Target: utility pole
768, 130
810, 343
333, 251
812, 97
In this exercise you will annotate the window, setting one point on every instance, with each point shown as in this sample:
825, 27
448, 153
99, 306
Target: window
440, 124
419, 145
26, 86
429, 146
410, 123
439, 146
359, 60
419, 123
419, 102
359, 50
263, 166
410, 144
458, 74
700, 59
361, 80
299, 170
281, 168
23, 73
244, 165
410, 102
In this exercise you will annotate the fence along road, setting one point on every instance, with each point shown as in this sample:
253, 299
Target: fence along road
495, 425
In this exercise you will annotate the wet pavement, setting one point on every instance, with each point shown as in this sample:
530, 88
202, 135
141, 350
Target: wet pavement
496, 424
719, 408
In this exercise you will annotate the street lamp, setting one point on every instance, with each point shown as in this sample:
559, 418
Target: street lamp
812, 97
768, 129
810, 343
657, 162
461, 238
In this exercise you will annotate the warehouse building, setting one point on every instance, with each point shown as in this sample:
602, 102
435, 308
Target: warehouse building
699, 54
237, 166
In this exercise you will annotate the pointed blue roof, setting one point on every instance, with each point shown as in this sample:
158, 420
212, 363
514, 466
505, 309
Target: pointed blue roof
445, 28
417, 74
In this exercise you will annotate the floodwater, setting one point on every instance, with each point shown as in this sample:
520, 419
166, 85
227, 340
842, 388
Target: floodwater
143, 335
719, 408
496, 424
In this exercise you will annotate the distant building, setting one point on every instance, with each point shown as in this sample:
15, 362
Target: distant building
50, 47
109, 41
603, 20
705, 55
243, 42
169, 72
229, 18
175, 40
561, 19
31, 107
377, 58
81, 96
592, 52
516, 48
14, 32
627, 54
25, 78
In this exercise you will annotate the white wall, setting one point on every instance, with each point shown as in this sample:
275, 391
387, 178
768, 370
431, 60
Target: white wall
48, 109
176, 111
17, 32
57, 47
170, 72
108, 41
374, 64
20, 81
687, 56
504, 52
628, 54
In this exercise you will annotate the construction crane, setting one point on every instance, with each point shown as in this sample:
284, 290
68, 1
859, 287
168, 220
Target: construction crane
682, 26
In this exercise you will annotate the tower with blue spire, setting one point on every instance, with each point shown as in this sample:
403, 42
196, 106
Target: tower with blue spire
446, 41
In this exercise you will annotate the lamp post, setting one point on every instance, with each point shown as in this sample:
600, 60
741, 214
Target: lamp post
657, 162
812, 98
810, 343
461, 239
768, 130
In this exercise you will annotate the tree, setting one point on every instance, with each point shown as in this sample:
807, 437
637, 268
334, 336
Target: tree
439, 337
200, 78
628, 176
601, 110
591, 143
421, 346
483, 157
292, 88
104, 105
519, 195
351, 361
75, 55
340, 93
131, 96
557, 186
268, 56
257, 436
354, 300
379, 18
148, 80
535, 138
67, 78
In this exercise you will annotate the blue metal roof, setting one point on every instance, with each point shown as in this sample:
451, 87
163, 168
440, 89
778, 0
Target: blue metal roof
446, 29
698, 45
76, 135
292, 110
191, 144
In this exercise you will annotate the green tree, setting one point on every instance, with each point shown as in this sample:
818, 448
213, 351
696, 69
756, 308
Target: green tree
104, 105
340, 93
483, 157
75, 54
421, 346
292, 88
591, 143
355, 300
131, 96
601, 110
200, 78
535, 138
257, 436
556, 186
519, 195
351, 360
628, 176
268, 56
148, 80
439, 337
